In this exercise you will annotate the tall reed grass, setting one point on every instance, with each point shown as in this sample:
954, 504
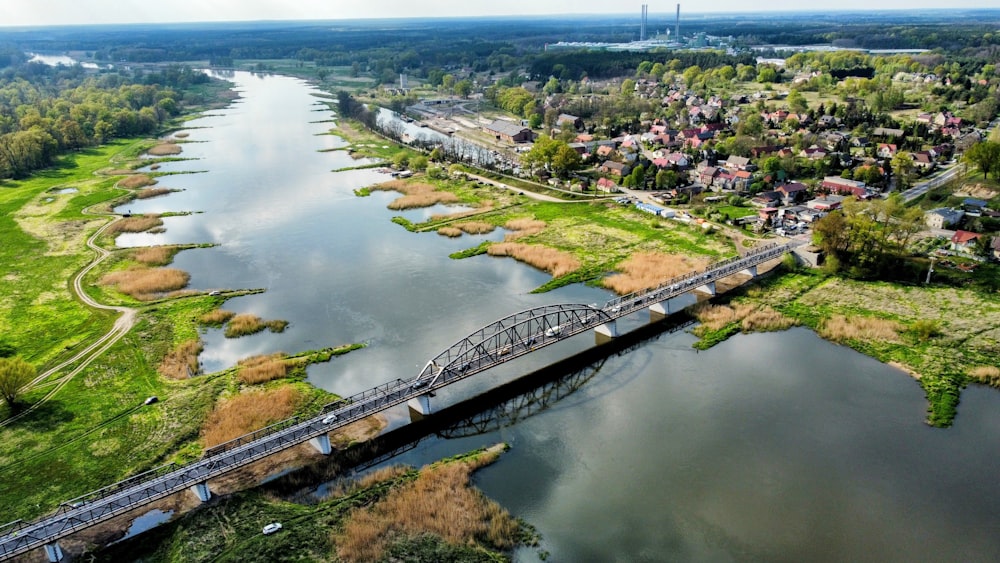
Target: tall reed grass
135, 224
146, 284
840, 329
218, 317
523, 228
165, 149
450, 232
246, 324
136, 181
151, 192
154, 255
415, 194
261, 369
645, 270
182, 361
990, 375
751, 318
555, 262
249, 411
441, 502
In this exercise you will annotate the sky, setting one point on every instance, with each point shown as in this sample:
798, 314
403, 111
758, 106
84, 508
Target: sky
69, 12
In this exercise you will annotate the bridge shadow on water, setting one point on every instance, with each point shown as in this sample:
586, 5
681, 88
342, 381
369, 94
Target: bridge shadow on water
500, 407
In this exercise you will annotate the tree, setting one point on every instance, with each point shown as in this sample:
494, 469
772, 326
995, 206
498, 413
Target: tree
628, 87
463, 88
985, 156
565, 160
15, 373
797, 102
869, 238
902, 167
767, 75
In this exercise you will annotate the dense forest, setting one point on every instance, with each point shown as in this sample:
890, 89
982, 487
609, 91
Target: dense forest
46, 110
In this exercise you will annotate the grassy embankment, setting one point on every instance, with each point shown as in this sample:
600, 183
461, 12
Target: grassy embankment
431, 514
95, 430
575, 242
945, 337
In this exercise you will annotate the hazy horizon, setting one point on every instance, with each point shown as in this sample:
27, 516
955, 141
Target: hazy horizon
41, 13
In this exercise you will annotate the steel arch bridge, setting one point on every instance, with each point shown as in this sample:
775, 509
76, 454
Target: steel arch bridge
509, 338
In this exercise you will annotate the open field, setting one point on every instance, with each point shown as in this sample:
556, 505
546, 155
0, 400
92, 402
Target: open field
944, 337
396, 502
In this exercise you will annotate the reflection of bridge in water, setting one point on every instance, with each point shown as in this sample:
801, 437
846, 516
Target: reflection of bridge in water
499, 342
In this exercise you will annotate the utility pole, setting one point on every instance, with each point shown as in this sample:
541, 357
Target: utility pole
929, 272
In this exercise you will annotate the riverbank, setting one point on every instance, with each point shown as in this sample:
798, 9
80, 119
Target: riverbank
428, 514
85, 424
946, 338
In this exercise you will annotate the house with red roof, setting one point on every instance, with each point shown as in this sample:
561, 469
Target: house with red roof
964, 241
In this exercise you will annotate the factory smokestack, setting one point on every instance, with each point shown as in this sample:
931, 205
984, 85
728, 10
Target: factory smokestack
642, 25
677, 27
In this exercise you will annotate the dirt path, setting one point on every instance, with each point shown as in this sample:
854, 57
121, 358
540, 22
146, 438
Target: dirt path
121, 327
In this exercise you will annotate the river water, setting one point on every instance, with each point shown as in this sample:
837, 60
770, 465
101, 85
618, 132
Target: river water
768, 447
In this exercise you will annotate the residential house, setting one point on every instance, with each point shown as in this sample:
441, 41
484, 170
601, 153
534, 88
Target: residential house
814, 153
964, 241
707, 175
887, 132
792, 193
923, 160
615, 168
567, 120
974, 207
604, 151
886, 150
736, 163
741, 181
943, 218
606, 185
509, 132
766, 200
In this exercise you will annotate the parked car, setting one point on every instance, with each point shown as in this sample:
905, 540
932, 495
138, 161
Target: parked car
272, 528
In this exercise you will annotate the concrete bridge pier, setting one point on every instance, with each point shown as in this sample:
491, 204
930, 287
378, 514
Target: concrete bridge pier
659, 311
420, 407
322, 444
751, 271
201, 491
708, 288
54, 552
606, 332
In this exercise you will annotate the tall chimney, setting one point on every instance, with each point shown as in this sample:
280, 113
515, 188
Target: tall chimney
677, 28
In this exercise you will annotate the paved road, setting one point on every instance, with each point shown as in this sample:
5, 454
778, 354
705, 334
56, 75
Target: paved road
937, 181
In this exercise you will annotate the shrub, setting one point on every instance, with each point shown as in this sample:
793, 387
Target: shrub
925, 329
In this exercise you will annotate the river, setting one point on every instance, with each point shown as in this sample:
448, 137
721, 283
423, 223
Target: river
768, 447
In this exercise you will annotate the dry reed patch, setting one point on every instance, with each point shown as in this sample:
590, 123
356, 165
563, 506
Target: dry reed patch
246, 324
151, 192
714, 317
182, 361
450, 232
118, 172
146, 284
218, 317
135, 224
840, 329
165, 149
182, 135
990, 375
415, 194
154, 255
442, 502
555, 262
249, 411
645, 270
136, 181
475, 227
481, 207
523, 228
261, 369
766, 319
